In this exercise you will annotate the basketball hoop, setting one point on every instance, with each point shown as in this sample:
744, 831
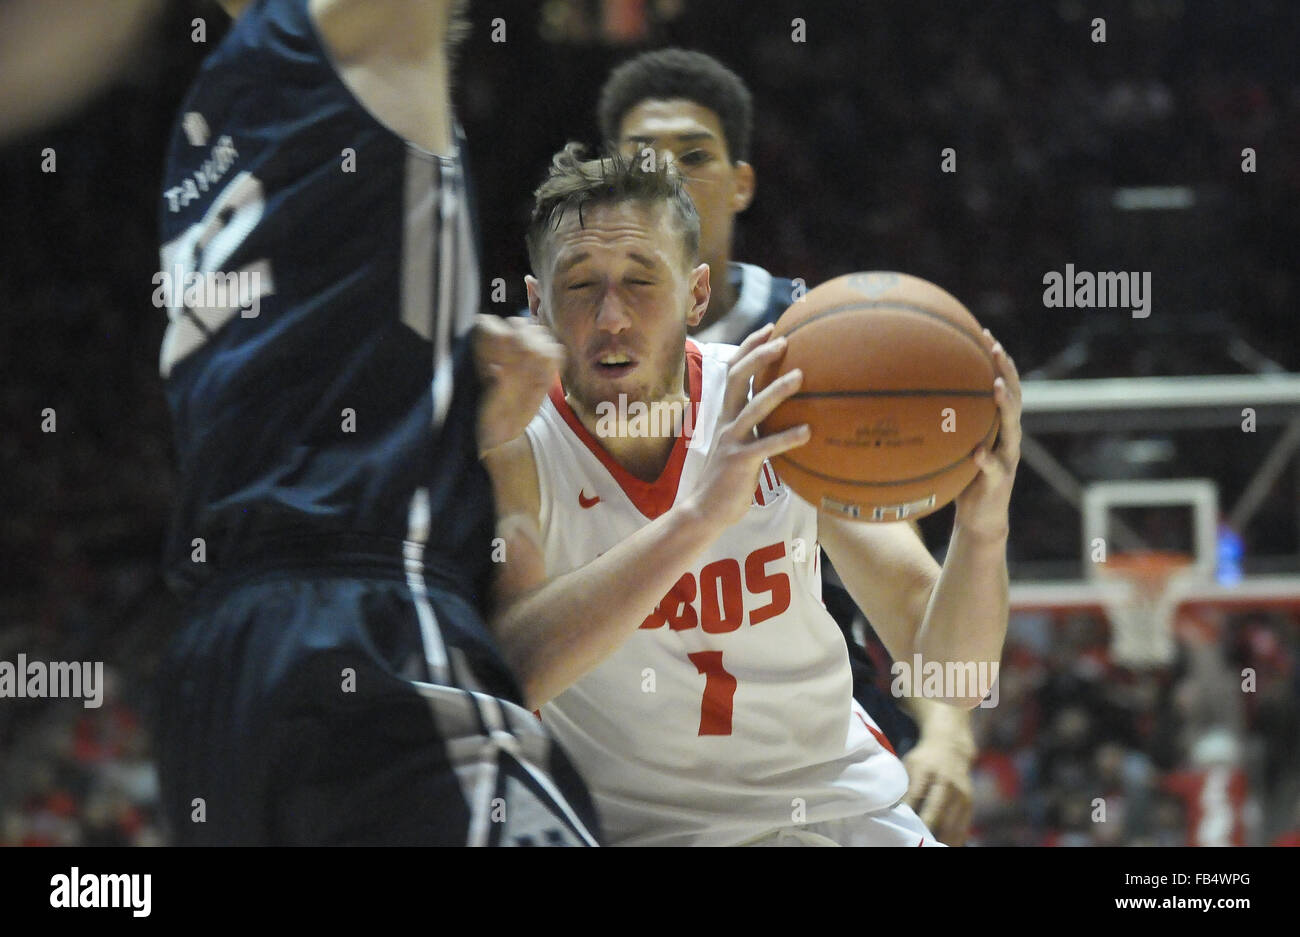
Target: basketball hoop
1141, 610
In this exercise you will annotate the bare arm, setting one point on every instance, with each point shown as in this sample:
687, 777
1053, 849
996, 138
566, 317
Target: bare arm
55, 56
939, 764
954, 614
957, 614
394, 55
554, 631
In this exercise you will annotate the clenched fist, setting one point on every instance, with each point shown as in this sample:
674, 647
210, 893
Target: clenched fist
517, 360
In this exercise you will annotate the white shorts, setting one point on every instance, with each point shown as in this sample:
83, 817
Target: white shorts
897, 826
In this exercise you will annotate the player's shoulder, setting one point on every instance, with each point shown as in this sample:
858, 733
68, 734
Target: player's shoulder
546, 419
760, 298
308, 63
781, 292
270, 75
762, 295
711, 351
276, 35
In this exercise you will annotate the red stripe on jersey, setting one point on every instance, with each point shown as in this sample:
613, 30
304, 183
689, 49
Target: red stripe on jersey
651, 498
879, 736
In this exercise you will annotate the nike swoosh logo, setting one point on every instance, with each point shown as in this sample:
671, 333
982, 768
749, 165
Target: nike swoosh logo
585, 501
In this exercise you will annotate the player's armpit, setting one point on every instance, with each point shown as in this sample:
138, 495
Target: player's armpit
394, 56
887, 571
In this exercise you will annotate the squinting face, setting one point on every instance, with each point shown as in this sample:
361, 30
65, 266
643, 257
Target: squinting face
619, 295
693, 135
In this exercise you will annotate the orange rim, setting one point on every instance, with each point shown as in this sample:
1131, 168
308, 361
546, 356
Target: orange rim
1150, 567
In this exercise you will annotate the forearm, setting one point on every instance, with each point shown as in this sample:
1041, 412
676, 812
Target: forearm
966, 620
559, 631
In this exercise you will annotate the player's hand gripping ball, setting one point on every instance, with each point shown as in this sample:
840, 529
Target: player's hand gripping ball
898, 390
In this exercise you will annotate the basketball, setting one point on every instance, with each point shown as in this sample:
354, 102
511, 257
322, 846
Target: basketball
897, 390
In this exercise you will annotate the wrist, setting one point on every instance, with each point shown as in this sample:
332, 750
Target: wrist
948, 726
693, 518
959, 744
995, 534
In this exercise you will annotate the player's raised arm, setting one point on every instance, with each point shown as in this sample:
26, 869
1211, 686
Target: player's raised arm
55, 56
395, 56
957, 614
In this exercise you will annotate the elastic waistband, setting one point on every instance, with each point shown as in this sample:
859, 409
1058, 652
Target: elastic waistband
339, 554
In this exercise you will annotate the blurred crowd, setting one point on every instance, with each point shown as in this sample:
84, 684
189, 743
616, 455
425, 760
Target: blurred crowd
849, 132
1082, 751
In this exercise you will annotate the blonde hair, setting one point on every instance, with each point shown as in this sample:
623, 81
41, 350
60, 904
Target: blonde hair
574, 182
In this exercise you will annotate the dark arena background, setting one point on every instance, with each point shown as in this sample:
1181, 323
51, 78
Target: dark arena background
1167, 688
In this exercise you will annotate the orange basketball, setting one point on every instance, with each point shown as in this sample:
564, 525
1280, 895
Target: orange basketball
897, 390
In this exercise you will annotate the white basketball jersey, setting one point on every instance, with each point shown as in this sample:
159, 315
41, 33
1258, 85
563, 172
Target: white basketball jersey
729, 712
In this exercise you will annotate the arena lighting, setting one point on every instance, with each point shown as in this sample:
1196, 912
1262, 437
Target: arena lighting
1153, 198
1150, 451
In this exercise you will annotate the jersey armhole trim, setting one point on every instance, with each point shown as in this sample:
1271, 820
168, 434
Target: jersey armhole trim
453, 127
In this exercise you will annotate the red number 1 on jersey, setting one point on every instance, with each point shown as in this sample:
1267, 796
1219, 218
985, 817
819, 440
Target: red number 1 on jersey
719, 689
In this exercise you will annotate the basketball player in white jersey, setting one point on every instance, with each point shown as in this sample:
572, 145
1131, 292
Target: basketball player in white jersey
660, 599
689, 104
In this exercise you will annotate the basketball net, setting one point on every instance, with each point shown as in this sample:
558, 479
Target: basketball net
1142, 612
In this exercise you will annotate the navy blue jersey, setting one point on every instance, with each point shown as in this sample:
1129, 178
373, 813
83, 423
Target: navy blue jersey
760, 299
328, 395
